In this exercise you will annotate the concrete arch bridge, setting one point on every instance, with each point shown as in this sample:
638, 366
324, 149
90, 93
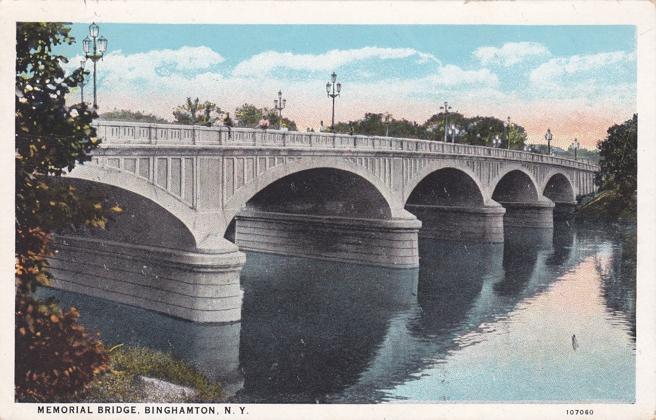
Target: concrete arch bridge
195, 197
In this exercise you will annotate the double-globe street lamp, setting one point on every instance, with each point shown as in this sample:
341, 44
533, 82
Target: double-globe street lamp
507, 126
94, 49
279, 104
548, 137
387, 123
575, 146
333, 89
496, 141
446, 109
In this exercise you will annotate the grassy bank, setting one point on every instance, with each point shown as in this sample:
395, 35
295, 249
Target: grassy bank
128, 364
607, 206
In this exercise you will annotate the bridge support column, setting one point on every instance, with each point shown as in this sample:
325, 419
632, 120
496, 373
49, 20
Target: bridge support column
564, 210
484, 224
538, 214
192, 285
379, 242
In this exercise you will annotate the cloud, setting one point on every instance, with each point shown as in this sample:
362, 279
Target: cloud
154, 64
451, 75
510, 53
264, 63
408, 84
554, 70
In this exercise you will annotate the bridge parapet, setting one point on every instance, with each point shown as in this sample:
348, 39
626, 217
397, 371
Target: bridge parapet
122, 133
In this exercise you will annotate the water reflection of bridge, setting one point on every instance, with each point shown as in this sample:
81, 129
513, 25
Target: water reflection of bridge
318, 331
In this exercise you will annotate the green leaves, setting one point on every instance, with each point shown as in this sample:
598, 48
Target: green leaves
193, 112
619, 157
55, 357
475, 130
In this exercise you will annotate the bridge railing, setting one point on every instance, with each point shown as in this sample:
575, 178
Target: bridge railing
135, 133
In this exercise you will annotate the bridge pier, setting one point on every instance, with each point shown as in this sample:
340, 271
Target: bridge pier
379, 242
537, 214
192, 285
564, 210
480, 224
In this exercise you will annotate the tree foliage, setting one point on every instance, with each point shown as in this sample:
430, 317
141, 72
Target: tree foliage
617, 178
51, 138
470, 130
58, 355
618, 158
249, 116
136, 116
194, 112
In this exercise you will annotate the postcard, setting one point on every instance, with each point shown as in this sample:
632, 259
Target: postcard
372, 210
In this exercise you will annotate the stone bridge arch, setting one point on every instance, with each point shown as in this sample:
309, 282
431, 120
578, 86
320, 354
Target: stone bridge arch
199, 225
436, 165
237, 202
558, 184
385, 236
517, 190
558, 187
159, 255
453, 204
511, 167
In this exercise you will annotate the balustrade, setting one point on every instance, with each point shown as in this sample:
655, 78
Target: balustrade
134, 133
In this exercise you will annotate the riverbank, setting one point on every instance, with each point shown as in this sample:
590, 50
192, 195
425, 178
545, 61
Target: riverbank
607, 206
139, 374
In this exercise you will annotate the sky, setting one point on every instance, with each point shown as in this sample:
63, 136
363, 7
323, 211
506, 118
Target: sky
575, 80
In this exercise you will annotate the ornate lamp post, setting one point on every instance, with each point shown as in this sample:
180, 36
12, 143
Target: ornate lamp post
496, 141
82, 83
528, 148
507, 124
279, 104
94, 49
387, 123
333, 89
548, 137
575, 146
446, 109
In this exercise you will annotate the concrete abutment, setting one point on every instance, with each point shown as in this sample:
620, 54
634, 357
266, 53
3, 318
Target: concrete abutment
458, 223
196, 286
537, 214
378, 242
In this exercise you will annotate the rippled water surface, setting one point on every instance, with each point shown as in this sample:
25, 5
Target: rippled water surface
547, 316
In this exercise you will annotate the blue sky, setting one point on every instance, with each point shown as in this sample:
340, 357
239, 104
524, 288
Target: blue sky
577, 80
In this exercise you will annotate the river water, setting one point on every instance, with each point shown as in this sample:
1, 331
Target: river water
548, 316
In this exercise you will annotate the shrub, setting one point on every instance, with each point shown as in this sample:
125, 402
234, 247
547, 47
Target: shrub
55, 358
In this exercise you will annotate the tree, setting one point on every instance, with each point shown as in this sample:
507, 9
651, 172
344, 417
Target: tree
617, 176
248, 115
618, 159
55, 357
127, 115
193, 112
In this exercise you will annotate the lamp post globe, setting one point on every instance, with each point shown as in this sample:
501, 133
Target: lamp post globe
548, 137
279, 104
575, 146
94, 48
446, 107
333, 89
